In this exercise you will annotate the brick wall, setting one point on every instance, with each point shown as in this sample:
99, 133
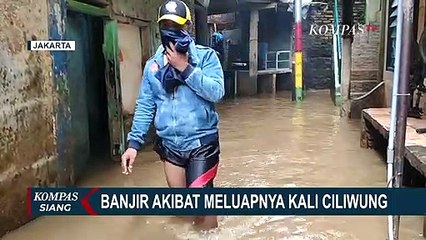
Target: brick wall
365, 54
318, 49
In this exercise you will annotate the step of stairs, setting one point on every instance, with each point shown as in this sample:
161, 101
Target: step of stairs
357, 94
363, 85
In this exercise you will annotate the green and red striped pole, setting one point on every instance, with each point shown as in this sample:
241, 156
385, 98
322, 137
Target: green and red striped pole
298, 55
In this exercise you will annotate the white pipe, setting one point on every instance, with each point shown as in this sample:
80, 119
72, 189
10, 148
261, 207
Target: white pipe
297, 11
235, 83
392, 128
336, 64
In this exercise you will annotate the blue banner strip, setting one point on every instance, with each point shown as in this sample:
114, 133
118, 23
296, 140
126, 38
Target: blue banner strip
226, 201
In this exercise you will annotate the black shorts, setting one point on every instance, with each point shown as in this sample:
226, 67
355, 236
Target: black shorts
201, 164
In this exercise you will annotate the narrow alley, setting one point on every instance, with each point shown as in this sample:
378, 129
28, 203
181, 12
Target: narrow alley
266, 141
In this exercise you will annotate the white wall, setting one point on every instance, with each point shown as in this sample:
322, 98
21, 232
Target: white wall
130, 68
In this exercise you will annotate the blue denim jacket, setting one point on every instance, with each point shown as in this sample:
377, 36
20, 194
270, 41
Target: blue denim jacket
187, 116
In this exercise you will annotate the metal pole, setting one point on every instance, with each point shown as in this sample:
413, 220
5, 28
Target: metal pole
337, 57
298, 54
392, 128
346, 55
405, 36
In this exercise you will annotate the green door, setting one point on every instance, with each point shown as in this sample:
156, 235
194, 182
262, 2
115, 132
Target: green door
112, 77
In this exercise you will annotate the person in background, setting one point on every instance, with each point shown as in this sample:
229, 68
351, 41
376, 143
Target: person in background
218, 44
180, 86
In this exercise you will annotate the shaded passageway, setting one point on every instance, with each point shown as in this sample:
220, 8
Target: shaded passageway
265, 142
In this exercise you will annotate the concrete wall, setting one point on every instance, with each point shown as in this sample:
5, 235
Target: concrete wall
129, 41
27, 142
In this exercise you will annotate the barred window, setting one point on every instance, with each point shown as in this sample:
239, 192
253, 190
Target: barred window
391, 47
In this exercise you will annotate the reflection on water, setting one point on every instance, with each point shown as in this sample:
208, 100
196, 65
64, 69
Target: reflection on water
265, 141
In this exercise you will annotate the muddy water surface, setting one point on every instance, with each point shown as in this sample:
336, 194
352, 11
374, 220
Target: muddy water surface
266, 141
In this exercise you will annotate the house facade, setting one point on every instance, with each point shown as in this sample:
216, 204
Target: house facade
388, 49
376, 90
61, 111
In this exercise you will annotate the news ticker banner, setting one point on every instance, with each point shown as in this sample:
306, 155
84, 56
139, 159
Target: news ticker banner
226, 201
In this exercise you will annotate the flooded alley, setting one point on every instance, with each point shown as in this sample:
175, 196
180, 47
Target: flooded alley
265, 142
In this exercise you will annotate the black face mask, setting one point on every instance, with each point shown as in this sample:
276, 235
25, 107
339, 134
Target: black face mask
178, 37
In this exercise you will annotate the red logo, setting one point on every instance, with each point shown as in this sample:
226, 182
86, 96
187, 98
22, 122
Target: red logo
153, 67
370, 27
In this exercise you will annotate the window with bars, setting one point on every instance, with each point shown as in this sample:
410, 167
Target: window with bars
392, 22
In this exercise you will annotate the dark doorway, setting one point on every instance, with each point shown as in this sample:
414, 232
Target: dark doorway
201, 26
87, 91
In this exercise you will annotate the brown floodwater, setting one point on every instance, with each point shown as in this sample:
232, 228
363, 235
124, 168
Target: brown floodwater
267, 141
